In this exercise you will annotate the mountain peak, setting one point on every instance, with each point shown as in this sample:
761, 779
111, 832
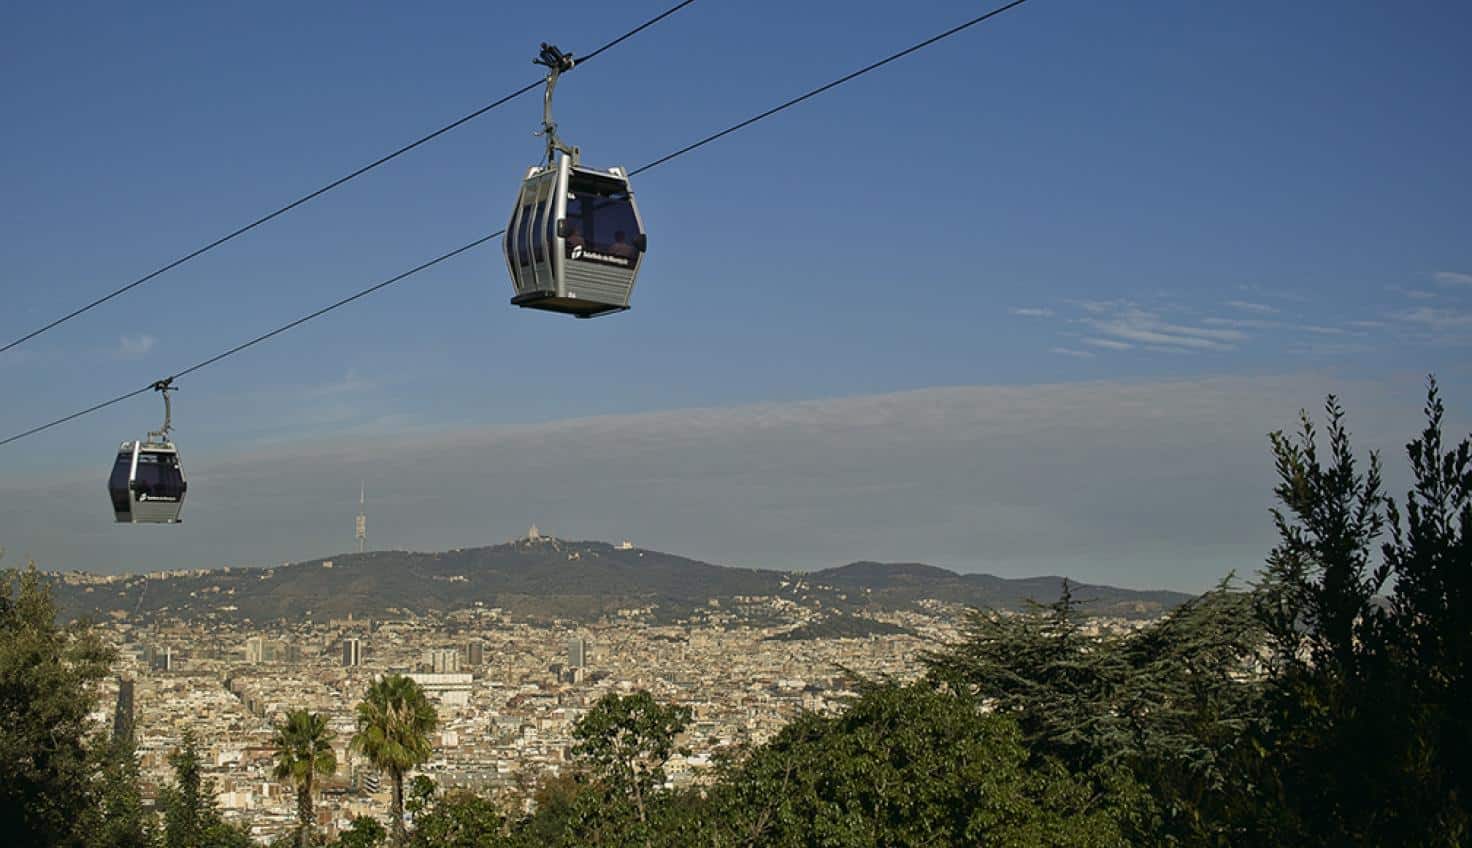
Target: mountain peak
871, 573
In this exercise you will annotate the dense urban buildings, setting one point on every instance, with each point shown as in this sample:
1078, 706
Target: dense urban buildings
507, 688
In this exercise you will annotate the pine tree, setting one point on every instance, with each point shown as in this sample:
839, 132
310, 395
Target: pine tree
1365, 722
125, 824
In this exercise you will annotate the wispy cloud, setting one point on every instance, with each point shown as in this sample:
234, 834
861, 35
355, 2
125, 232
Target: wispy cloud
1415, 294
1249, 306
1032, 312
135, 347
1242, 323
1439, 320
1272, 293
1101, 307
1108, 344
350, 382
1261, 324
1077, 354
1453, 278
1141, 326
1318, 348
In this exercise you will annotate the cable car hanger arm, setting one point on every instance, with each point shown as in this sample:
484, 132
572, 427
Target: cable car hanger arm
163, 387
556, 62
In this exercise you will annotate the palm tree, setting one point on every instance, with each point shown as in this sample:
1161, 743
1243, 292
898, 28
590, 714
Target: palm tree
394, 723
304, 750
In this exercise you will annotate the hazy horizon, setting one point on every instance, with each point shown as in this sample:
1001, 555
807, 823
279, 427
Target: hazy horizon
1141, 484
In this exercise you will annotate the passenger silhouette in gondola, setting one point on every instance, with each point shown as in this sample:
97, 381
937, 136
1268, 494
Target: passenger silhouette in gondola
574, 236
621, 247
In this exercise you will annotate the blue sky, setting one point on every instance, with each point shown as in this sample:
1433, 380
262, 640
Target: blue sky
1138, 194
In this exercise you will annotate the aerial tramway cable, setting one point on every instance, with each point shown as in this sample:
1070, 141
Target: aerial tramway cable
483, 239
306, 198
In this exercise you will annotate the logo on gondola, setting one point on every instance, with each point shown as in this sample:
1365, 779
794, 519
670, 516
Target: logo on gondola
578, 252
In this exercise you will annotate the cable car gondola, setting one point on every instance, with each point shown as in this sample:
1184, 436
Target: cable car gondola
575, 241
147, 485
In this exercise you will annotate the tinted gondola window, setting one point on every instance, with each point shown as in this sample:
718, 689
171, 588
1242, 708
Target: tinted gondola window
550, 222
159, 476
117, 484
538, 228
603, 226
523, 228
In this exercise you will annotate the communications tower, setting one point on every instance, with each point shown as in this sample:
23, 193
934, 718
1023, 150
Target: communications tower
362, 533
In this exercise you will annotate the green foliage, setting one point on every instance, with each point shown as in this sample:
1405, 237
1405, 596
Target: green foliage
1190, 694
124, 822
394, 722
1429, 627
188, 805
1170, 702
559, 803
459, 820
1041, 669
190, 817
626, 742
912, 766
420, 795
219, 834
47, 689
364, 832
1367, 742
1318, 588
303, 751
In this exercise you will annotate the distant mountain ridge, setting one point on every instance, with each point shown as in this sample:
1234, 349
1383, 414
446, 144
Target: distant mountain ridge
545, 578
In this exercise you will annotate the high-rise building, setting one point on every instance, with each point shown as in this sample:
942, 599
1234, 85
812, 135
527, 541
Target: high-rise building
161, 659
577, 652
475, 653
255, 650
122, 716
352, 652
442, 660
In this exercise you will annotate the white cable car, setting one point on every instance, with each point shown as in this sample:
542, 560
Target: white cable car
575, 241
147, 485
